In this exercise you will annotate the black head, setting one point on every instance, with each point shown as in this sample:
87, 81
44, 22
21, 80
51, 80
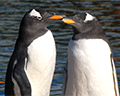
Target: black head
36, 19
85, 26
34, 23
84, 22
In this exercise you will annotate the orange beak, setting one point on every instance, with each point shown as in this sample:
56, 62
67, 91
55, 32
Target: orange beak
68, 21
56, 17
1, 82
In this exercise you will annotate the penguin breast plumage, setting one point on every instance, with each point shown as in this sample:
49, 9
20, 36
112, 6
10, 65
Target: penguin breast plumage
89, 66
41, 64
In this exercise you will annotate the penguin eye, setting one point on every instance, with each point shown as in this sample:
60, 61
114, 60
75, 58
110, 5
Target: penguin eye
39, 18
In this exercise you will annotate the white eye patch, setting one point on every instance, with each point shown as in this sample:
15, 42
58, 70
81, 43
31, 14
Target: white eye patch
89, 17
35, 13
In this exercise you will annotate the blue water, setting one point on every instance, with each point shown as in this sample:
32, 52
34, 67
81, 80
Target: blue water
12, 11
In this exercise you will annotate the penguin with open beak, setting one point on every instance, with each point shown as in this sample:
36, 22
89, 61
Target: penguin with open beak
90, 70
31, 66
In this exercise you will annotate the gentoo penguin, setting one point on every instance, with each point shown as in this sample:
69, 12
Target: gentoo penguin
90, 70
31, 66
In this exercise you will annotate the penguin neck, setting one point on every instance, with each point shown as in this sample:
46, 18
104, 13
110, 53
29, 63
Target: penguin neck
28, 35
95, 32
76, 30
25, 38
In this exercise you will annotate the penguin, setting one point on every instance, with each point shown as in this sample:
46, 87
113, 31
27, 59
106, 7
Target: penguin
31, 66
90, 70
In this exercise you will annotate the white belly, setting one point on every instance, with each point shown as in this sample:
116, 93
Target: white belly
89, 69
41, 65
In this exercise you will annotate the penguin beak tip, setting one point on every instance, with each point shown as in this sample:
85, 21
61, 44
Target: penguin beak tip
68, 21
57, 17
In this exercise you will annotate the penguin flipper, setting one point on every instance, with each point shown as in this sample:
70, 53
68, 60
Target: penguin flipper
115, 81
8, 81
65, 82
20, 77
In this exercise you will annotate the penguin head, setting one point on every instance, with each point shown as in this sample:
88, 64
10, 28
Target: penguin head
38, 18
34, 24
35, 21
82, 22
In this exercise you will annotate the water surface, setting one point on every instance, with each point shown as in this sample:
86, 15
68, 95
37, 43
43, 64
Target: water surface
12, 11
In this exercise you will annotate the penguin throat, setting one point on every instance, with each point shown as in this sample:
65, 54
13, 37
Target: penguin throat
27, 36
76, 31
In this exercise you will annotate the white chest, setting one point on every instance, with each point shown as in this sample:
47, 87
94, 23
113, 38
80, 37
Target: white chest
90, 50
89, 68
41, 64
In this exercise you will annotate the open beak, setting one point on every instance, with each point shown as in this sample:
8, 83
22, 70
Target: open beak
68, 21
57, 17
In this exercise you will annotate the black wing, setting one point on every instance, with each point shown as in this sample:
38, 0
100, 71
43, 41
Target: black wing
17, 72
8, 80
21, 78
